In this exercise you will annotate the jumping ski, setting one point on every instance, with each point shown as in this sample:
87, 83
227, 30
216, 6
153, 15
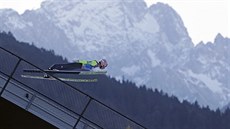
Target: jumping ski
63, 79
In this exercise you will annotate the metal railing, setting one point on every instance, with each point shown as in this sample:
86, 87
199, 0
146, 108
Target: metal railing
57, 102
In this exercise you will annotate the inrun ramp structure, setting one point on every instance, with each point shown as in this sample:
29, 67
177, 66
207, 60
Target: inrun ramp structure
56, 102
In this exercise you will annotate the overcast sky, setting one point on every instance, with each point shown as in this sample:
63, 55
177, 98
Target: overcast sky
202, 18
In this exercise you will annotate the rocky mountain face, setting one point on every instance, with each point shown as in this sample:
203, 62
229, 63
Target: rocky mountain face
149, 46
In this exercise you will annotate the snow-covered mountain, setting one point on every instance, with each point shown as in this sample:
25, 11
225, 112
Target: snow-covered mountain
147, 45
209, 69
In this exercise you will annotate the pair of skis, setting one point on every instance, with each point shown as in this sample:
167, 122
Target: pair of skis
75, 72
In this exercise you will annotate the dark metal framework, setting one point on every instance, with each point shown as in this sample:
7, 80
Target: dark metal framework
81, 117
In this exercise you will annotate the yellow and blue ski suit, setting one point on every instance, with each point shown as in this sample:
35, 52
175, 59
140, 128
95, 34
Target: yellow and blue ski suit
88, 65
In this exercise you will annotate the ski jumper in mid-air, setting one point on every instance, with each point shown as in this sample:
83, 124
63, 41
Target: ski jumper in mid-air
81, 64
77, 67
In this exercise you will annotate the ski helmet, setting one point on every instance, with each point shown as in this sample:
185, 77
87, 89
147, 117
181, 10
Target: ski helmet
103, 63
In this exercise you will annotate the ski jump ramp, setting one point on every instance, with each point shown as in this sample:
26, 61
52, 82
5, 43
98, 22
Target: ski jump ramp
56, 102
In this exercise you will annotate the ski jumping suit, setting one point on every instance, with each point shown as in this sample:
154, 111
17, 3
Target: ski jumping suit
79, 64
